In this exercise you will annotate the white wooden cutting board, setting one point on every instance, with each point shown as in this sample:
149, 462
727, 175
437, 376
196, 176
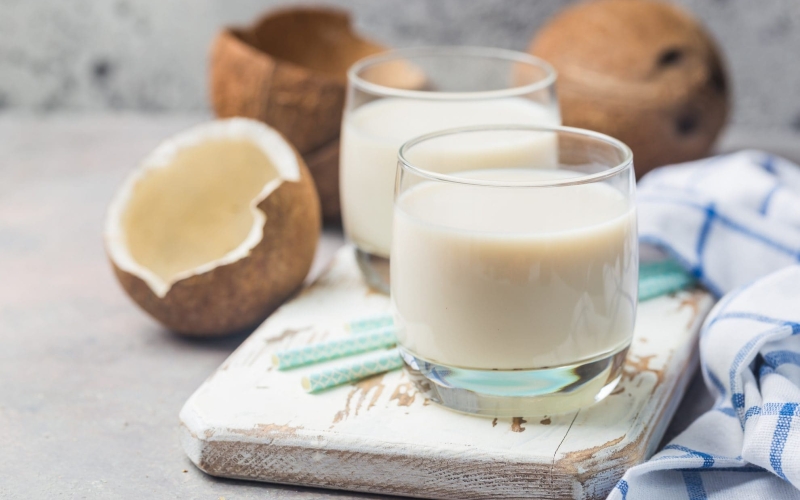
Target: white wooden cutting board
253, 422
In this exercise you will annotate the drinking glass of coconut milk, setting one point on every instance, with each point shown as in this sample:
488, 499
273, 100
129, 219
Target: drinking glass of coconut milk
401, 94
514, 266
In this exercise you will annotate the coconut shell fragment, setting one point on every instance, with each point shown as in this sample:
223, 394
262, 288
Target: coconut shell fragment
289, 70
642, 71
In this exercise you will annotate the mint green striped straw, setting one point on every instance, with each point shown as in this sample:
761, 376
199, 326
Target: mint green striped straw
333, 349
661, 278
372, 323
374, 363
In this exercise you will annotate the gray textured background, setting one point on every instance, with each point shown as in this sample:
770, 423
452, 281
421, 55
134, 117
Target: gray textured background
150, 55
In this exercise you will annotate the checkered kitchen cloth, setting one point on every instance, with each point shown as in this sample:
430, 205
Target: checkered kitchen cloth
731, 220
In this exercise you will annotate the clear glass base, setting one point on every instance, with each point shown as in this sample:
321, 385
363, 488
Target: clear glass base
375, 270
517, 393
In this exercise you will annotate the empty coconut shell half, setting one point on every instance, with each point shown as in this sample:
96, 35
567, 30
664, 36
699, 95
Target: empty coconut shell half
215, 228
289, 70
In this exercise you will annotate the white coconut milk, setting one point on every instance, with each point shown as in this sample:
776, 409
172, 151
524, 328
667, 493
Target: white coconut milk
514, 278
373, 133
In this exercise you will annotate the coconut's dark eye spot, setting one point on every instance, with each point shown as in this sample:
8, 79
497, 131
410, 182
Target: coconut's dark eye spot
670, 57
687, 123
718, 79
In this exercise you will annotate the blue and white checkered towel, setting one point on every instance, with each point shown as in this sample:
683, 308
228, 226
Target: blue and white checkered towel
731, 220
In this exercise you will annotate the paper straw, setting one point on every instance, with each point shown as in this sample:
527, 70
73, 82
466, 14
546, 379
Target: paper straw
368, 324
661, 278
372, 364
660, 267
334, 349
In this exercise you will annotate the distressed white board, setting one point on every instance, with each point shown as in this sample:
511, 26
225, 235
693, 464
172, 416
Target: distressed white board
253, 422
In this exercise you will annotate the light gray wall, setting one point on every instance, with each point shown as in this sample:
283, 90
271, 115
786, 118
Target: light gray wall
150, 55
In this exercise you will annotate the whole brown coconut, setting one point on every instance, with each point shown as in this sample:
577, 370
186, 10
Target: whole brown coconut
642, 71
289, 70
216, 227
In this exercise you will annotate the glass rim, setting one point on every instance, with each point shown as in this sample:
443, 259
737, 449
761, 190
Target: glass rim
548, 80
625, 163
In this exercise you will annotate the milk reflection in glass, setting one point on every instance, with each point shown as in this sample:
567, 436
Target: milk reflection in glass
514, 278
372, 134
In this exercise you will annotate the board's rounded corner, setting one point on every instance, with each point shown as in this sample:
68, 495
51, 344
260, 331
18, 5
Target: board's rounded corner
194, 434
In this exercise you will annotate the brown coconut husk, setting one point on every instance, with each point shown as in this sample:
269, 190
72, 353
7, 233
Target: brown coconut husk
289, 71
323, 163
642, 71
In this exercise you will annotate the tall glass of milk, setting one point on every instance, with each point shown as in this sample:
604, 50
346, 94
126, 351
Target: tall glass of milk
402, 94
515, 267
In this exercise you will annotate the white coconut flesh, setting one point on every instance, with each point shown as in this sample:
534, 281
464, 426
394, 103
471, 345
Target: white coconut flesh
193, 203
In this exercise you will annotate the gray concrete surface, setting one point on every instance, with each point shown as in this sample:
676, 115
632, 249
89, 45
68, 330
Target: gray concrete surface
150, 55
